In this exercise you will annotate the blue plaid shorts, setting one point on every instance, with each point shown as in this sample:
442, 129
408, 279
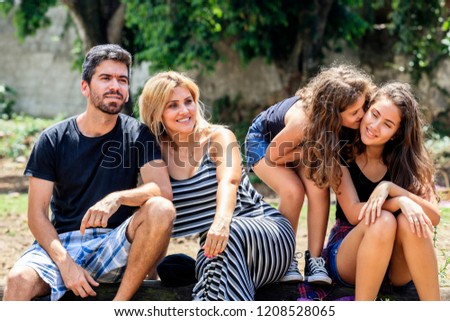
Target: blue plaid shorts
102, 252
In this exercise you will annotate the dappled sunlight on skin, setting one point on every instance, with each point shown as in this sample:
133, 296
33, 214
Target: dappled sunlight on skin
15, 236
307, 149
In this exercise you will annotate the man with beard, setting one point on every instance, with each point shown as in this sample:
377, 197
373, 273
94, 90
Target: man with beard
104, 228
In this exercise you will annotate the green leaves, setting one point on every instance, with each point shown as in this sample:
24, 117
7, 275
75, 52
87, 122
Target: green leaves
350, 21
175, 34
7, 101
6, 6
422, 31
185, 33
29, 16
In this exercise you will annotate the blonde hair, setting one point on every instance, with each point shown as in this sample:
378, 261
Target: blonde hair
156, 94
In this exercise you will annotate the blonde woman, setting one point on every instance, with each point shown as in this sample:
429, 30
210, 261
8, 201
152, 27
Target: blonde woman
244, 242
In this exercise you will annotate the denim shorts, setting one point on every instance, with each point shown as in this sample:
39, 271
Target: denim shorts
256, 143
332, 264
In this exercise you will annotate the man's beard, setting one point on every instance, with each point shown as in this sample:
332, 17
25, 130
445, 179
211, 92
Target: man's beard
112, 108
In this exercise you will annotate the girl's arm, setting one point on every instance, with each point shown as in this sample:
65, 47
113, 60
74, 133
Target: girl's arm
422, 214
225, 152
429, 206
348, 198
378, 200
284, 147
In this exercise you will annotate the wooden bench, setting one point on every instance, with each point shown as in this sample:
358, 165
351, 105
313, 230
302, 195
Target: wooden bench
155, 291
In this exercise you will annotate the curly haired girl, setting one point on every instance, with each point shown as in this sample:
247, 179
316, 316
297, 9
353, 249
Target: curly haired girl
295, 147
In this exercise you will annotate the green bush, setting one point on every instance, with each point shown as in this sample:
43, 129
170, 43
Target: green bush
7, 101
18, 134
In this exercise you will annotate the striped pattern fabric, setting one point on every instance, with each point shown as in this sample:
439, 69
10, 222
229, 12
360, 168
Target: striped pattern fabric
102, 252
261, 242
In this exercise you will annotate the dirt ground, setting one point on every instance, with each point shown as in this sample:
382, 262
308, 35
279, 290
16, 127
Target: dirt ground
15, 236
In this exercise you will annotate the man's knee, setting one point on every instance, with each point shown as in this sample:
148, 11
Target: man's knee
160, 210
23, 283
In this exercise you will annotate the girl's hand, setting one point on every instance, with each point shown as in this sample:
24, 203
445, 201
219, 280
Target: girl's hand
372, 209
217, 238
418, 220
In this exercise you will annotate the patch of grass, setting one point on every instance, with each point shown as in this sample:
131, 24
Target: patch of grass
445, 215
443, 269
304, 213
18, 134
13, 203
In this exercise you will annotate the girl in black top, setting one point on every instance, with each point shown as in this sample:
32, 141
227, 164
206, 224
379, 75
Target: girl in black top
387, 204
294, 147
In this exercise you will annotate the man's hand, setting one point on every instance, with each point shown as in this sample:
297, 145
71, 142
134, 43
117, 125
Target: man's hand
78, 280
99, 214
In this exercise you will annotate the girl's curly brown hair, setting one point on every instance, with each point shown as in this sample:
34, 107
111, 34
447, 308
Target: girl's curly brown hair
328, 94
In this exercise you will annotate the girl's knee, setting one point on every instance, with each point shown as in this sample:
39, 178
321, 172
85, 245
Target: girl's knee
404, 231
385, 226
403, 225
388, 219
293, 192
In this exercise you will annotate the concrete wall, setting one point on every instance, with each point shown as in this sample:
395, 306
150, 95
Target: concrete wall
39, 69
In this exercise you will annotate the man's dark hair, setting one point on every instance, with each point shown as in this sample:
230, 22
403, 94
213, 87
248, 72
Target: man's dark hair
100, 53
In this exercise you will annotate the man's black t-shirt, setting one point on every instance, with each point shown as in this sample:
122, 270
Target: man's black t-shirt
86, 169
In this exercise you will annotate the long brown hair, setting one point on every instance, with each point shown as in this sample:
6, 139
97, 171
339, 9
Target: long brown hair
328, 94
408, 161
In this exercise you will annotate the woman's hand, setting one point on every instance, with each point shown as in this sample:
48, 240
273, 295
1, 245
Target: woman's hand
372, 209
217, 238
418, 220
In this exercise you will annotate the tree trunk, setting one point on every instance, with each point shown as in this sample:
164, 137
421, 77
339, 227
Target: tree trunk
313, 38
97, 21
306, 56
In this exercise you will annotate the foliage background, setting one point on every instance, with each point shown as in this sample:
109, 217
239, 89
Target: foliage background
294, 37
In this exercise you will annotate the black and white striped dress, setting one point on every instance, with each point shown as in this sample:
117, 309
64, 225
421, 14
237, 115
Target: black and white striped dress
261, 242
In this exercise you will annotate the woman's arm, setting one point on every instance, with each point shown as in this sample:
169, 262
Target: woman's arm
422, 214
429, 206
225, 152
